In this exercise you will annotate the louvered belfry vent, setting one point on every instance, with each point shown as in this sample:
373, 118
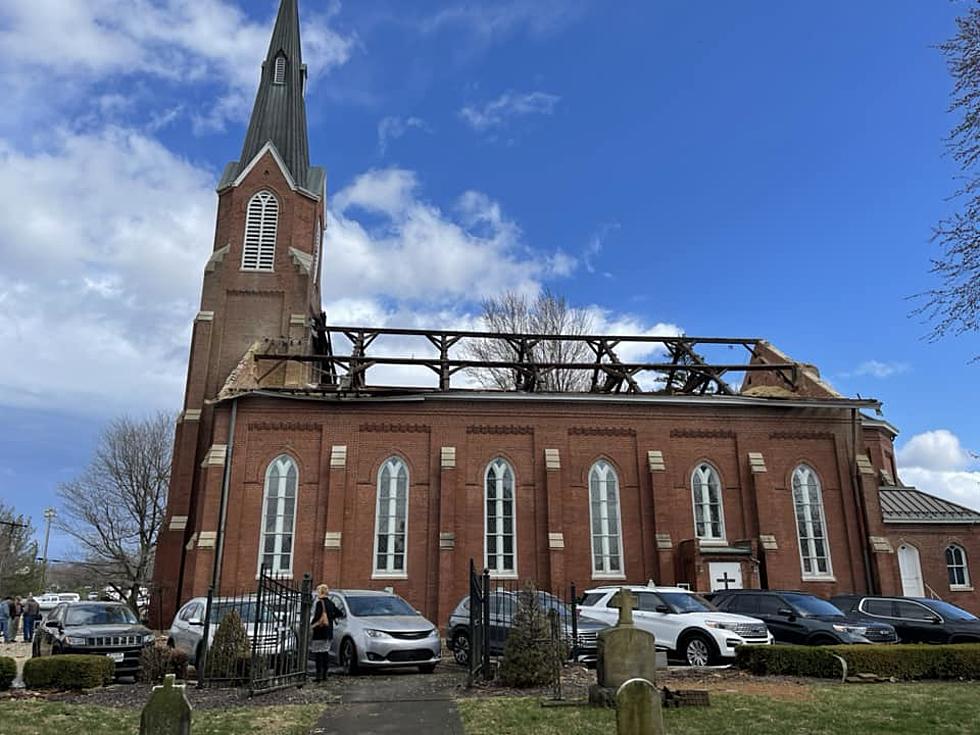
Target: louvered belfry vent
259, 250
280, 72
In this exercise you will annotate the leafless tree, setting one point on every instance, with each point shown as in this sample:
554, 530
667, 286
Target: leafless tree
547, 314
19, 570
114, 509
953, 307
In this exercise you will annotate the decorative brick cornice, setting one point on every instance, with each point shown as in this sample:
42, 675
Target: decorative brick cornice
488, 429
702, 434
796, 435
398, 428
602, 430
285, 426
256, 291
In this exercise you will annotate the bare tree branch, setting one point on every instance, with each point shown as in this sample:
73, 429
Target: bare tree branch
115, 508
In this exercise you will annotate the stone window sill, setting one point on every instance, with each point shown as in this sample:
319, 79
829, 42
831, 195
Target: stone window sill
961, 588
819, 578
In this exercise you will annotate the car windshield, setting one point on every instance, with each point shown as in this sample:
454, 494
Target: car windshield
100, 615
685, 602
808, 605
371, 605
950, 611
245, 610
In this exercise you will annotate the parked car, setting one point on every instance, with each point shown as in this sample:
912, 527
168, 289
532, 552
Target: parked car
96, 628
503, 605
381, 630
187, 629
50, 600
802, 618
685, 625
915, 619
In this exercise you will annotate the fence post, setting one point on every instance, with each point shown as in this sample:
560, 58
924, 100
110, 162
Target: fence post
574, 604
485, 583
201, 662
306, 611
253, 667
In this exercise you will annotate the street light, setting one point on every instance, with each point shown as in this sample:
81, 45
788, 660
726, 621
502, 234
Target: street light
49, 515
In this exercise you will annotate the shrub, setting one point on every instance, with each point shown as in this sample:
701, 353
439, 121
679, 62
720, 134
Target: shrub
158, 661
8, 672
530, 656
68, 672
229, 655
960, 661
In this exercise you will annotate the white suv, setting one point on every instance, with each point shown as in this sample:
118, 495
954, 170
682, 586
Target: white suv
685, 625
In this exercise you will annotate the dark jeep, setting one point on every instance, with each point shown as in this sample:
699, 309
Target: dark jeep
95, 628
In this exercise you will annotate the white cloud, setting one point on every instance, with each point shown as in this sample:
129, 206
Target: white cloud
936, 462
879, 369
502, 18
411, 250
499, 112
189, 41
393, 127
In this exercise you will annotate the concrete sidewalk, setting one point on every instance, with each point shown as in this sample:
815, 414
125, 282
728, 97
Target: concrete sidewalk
400, 704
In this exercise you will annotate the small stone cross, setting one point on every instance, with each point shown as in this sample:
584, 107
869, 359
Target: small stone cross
625, 600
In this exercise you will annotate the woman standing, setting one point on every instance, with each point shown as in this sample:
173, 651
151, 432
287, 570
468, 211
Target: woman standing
324, 613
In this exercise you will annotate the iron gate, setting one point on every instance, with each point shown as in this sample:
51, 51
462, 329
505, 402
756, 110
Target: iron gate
266, 639
479, 638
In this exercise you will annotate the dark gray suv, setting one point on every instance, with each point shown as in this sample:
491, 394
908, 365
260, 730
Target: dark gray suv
503, 605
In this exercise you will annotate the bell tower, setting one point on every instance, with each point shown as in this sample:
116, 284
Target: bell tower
260, 294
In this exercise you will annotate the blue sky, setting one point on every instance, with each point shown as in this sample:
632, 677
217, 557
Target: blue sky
741, 169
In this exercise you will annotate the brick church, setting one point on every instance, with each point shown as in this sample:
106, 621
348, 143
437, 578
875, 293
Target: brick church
290, 455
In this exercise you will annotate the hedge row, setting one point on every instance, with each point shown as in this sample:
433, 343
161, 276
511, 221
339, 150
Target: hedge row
8, 672
68, 672
960, 661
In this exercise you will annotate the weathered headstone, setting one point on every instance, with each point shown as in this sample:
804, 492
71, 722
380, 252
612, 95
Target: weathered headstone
624, 652
168, 712
638, 710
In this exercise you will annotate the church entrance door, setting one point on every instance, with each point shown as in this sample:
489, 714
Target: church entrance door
725, 575
908, 565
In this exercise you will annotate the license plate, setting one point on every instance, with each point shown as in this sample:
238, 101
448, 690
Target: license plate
117, 657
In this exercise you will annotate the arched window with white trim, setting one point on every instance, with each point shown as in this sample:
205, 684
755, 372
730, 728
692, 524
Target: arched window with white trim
261, 220
811, 527
279, 515
500, 547
391, 519
709, 514
959, 574
279, 73
604, 516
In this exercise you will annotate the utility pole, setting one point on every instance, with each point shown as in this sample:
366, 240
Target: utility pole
48, 517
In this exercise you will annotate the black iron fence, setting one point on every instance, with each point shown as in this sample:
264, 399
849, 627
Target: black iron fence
259, 639
493, 608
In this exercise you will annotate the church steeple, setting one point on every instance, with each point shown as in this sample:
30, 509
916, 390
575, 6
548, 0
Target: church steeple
279, 114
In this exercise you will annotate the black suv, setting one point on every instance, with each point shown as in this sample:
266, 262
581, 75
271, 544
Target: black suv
98, 628
503, 605
798, 617
916, 619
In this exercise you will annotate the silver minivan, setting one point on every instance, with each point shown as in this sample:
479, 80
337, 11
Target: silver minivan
381, 630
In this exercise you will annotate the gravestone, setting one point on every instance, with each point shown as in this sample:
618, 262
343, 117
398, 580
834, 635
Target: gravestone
168, 712
638, 710
624, 652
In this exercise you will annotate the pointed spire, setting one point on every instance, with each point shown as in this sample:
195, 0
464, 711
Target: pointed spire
279, 114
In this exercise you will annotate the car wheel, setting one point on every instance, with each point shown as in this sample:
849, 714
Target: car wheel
697, 650
427, 668
460, 646
348, 656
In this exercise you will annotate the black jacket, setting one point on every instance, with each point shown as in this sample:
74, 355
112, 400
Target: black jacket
324, 632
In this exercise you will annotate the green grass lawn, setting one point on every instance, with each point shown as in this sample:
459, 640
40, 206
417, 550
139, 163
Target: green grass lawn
854, 709
37, 717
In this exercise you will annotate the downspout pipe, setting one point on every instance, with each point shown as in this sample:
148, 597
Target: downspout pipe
219, 543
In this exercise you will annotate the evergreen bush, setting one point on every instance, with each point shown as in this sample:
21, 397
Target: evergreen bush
158, 661
230, 654
905, 661
530, 656
8, 672
68, 671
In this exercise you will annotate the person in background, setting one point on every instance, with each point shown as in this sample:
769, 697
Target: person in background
16, 610
32, 613
5, 617
324, 613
